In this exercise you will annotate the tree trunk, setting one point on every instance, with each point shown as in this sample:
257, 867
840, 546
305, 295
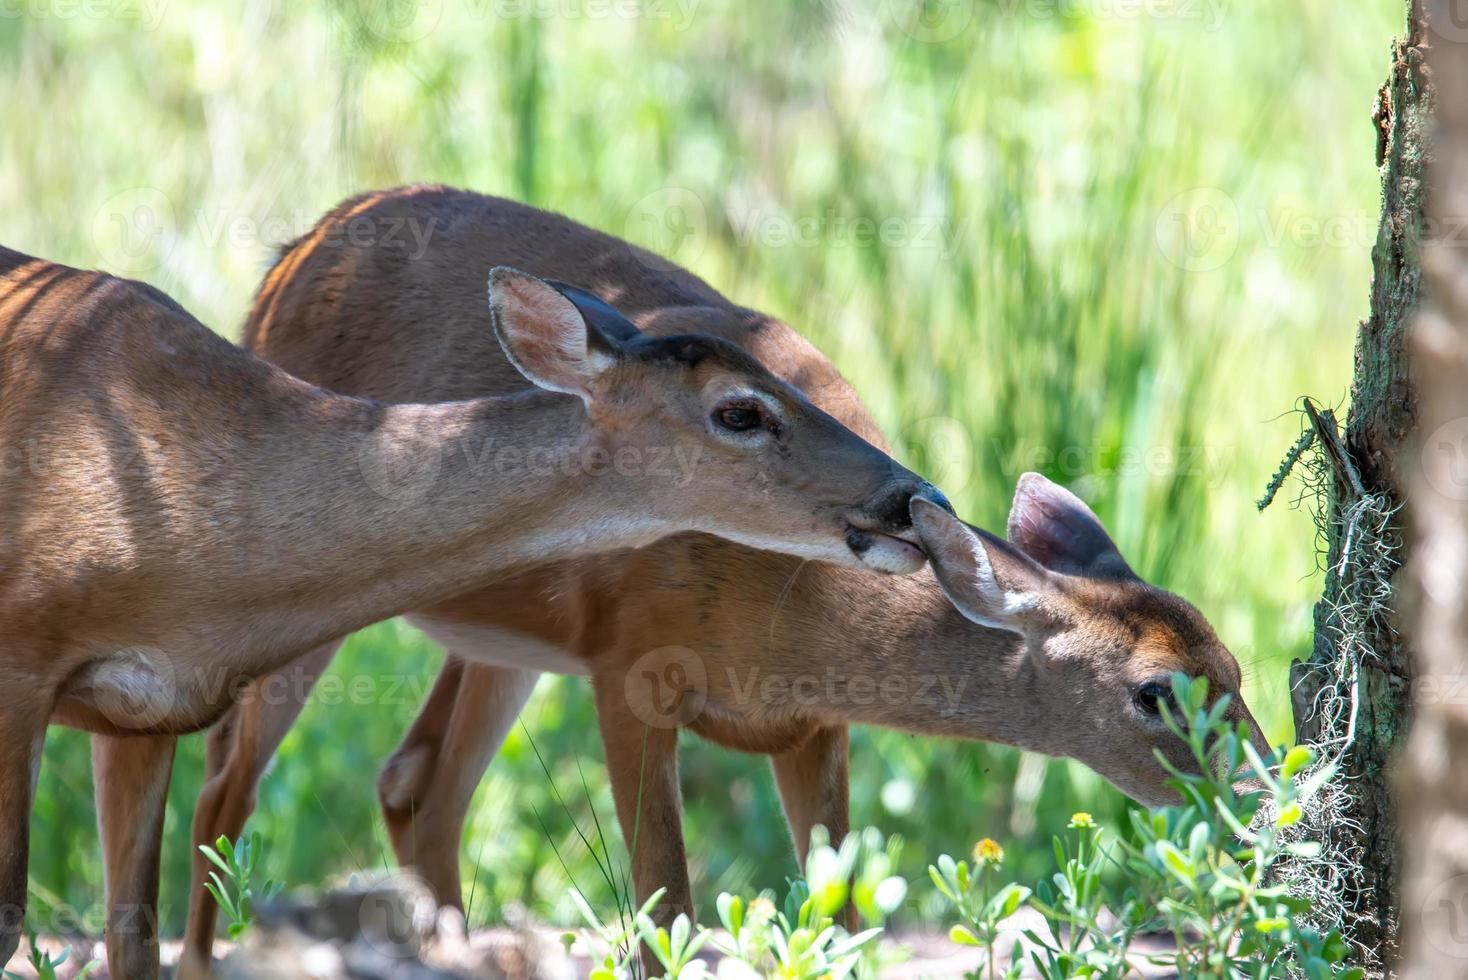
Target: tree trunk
1352, 694
1435, 779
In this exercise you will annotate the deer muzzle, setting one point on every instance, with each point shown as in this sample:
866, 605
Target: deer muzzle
881, 535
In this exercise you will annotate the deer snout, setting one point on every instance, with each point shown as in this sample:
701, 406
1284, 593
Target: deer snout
880, 533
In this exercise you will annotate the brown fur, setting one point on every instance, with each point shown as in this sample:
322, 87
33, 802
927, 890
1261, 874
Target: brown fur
790, 653
178, 515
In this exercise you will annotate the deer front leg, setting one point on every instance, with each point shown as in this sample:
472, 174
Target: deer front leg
131, 776
815, 788
426, 787
22, 733
239, 749
642, 763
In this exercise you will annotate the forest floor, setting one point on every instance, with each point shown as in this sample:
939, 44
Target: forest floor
538, 954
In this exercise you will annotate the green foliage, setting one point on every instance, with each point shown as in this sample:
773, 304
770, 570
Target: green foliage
236, 892
800, 941
1199, 871
44, 965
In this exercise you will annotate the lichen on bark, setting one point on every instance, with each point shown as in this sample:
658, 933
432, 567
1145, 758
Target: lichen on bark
1360, 658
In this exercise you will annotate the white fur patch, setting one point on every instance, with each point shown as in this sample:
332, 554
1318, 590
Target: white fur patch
501, 647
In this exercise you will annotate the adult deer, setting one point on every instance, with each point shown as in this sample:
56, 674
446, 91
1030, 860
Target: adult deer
177, 514
1050, 641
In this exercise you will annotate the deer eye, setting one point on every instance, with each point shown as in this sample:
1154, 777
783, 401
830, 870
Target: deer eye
1149, 697
739, 417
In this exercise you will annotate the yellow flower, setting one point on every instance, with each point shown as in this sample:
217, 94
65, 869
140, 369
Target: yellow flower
1081, 820
988, 851
761, 910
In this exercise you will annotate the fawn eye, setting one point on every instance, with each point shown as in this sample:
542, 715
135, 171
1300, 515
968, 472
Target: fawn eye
739, 417
1149, 697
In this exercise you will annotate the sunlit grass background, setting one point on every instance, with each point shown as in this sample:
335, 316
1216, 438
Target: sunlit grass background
1111, 241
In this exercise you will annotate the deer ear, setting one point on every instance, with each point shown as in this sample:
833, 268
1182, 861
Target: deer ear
1056, 528
604, 318
985, 579
547, 336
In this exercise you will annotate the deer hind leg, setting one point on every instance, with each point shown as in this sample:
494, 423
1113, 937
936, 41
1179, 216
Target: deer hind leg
427, 785
131, 776
22, 734
814, 784
239, 749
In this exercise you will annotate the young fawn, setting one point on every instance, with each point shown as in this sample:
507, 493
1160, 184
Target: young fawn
1050, 641
177, 514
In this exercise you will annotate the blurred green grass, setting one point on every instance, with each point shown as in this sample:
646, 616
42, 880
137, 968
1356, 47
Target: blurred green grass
1109, 241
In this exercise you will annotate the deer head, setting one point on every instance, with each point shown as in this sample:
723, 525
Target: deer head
1100, 645
706, 437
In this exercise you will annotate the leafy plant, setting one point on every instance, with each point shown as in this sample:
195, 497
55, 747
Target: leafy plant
801, 939
1199, 870
981, 907
45, 965
235, 891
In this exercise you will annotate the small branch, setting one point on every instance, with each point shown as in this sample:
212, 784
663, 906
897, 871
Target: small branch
1285, 466
1330, 441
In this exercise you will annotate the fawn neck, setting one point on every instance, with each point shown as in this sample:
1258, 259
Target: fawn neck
903, 658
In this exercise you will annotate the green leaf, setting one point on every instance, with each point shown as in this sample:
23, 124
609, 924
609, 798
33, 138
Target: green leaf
731, 913
937, 878
213, 855
889, 895
678, 938
853, 943
1198, 842
1009, 899
1289, 816
1295, 760
961, 935
1174, 861
587, 912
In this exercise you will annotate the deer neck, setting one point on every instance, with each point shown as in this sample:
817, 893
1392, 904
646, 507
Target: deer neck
372, 509
905, 659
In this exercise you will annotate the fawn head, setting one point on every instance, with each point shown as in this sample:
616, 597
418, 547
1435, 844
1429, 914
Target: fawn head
1099, 646
740, 453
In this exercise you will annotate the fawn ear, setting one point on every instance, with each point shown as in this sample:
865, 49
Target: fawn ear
987, 580
550, 338
1056, 528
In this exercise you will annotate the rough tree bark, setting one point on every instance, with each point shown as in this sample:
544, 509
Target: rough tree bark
1383, 408
1435, 778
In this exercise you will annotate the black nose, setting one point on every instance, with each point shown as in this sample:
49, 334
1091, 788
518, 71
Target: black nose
893, 511
929, 492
